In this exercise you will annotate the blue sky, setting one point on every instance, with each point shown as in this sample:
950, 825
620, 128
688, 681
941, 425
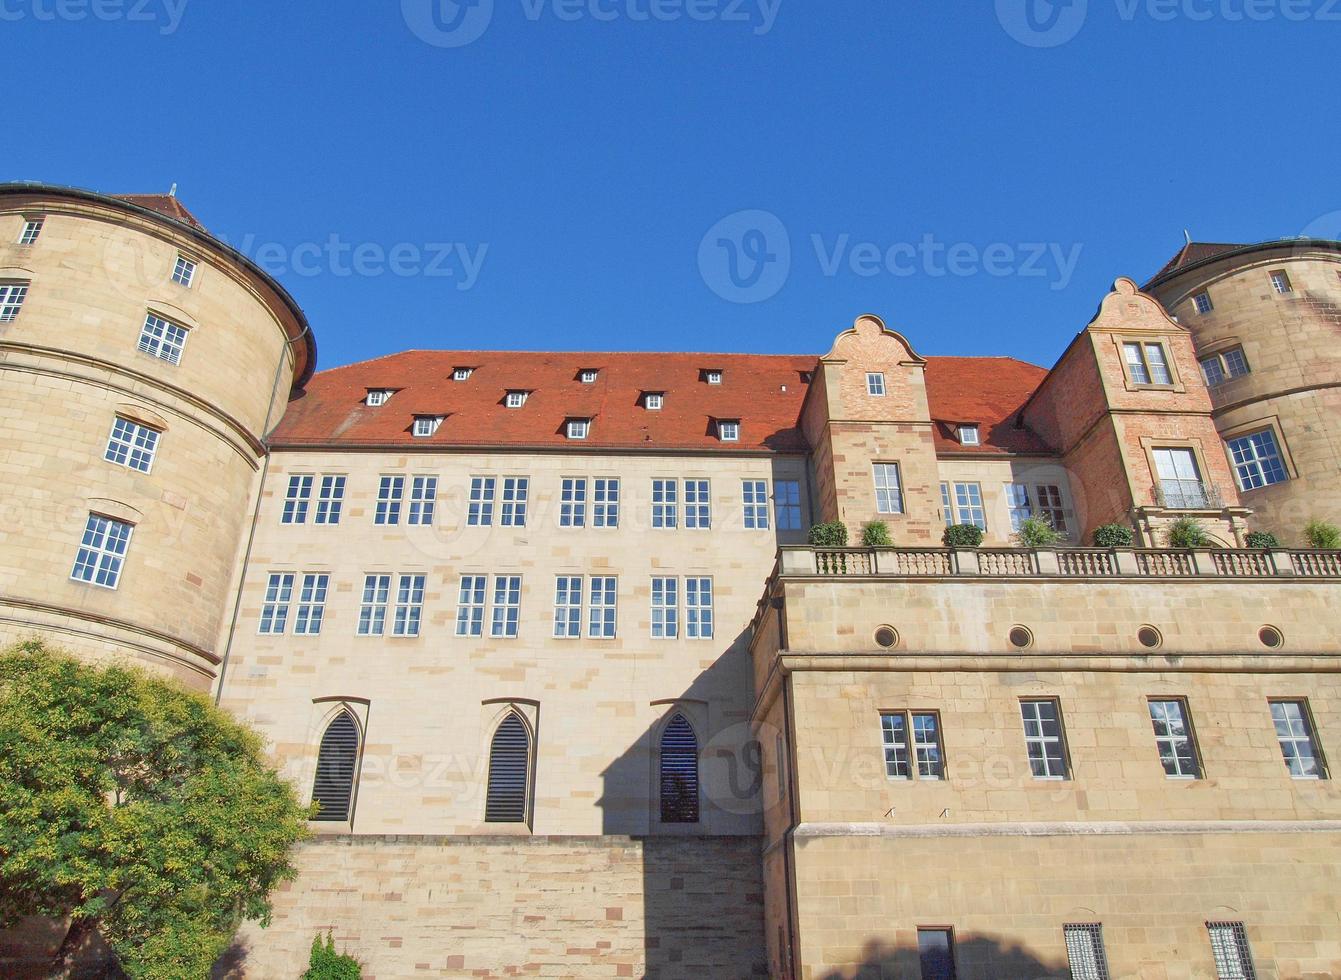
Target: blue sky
582, 173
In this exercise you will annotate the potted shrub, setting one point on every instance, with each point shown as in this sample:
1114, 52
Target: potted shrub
876, 535
1037, 532
1322, 535
1264, 540
963, 536
1113, 536
1187, 532
831, 534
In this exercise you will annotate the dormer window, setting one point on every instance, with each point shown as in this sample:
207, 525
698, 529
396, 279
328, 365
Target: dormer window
578, 428
378, 397
713, 376
516, 399
807, 377
426, 425
875, 384
462, 373
588, 376
652, 400
968, 435
184, 272
728, 430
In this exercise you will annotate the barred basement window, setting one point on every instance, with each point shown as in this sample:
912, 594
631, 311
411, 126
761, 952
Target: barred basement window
679, 772
1229, 946
333, 787
1085, 951
509, 772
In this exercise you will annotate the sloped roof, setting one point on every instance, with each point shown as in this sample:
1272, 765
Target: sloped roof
1195, 252
988, 391
165, 204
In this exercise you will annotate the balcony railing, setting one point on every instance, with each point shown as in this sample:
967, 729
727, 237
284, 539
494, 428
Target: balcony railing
1187, 495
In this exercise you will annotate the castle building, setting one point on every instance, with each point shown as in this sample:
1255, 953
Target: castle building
542, 637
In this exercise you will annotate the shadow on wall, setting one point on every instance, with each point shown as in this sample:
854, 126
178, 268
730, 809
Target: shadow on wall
978, 958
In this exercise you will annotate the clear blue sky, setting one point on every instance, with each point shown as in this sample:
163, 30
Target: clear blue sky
579, 153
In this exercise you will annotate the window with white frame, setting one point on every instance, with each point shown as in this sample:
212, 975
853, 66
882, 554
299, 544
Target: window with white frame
275, 607
652, 400
573, 502
426, 425
378, 397
713, 376
311, 604
1230, 950
31, 229
390, 495
516, 492
1085, 951
516, 399
184, 271
102, 551
296, 499
1202, 301
330, 499
578, 428
506, 606
603, 607
568, 606
875, 384
12, 295
968, 435
1257, 460
697, 505
131, 445
1147, 363
787, 504
470, 605
923, 756
728, 430
1174, 738
161, 338
698, 608
1043, 738
963, 504
1048, 496
423, 500
665, 608
480, 508
1298, 745
588, 376
888, 488
409, 605
755, 497
665, 506
372, 610
462, 373
1017, 502
605, 503
1224, 366
1280, 282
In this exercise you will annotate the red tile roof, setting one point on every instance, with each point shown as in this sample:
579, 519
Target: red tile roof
1194, 252
988, 391
764, 392
164, 204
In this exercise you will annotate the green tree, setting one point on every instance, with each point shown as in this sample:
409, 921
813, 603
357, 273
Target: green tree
138, 810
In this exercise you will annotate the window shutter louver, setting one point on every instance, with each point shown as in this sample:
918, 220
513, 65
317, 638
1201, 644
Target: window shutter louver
509, 762
333, 788
679, 772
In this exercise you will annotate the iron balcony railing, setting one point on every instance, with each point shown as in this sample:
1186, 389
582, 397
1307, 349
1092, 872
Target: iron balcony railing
1187, 495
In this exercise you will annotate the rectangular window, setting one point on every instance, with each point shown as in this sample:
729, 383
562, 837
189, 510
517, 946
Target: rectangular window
516, 399
330, 500
728, 430
697, 505
461, 373
372, 612
968, 435
652, 401
12, 295
664, 506
296, 499
894, 733
755, 495
1229, 947
601, 622
936, 953
968, 507
390, 494
275, 609
481, 509
947, 508
605, 503
409, 605
1043, 738
470, 606
1299, 747
1085, 951
1180, 486
927, 746
888, 489
1257, 461
875, 384
1049, 498
311, 604
787, 504
131, 445
1219, 368
184, 272
377, 397
1147, 364
1203, 302
588, 376
713, 377
665, 608
507, 605
568, 606
423, 500
1174, 738
1236, 363
162, 339
1280, 282
516, 492
1212, 370
573, 503
31, 229
1017, 500
925, 752
698, 608
578, 428
102, 551
426, 425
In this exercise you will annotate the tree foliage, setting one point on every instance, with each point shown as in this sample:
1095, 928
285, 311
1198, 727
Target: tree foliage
137, 809
326, 964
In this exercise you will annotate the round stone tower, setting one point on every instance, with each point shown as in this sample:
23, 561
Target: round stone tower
1266, 324
142, 362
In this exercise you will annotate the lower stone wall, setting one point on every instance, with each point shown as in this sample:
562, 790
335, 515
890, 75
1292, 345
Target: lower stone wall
519, 906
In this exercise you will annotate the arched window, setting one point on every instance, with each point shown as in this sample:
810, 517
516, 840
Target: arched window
679, 772
509, 771
333, 789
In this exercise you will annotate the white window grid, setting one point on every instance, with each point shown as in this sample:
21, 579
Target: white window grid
787, 504
1280, 282
698, 608
462, 373
573, 502
1236, 363
605, 503
426, 425
372, 611
1049, 497
728, 430
1257, 460
875, 384
714, 377
1085, 951
1203, 302
665, 507
275, 607
506, 606
947, 507
603, 607
161, 339
470, 605
102, 551
652, 401
926, 744
516, 399
1212, 369
1043, 738
578, 428
697, 505
516, 492
377, 397
480, 509
968, 507
588, 376
12, 295
754, 494
1173, 737
1294, 732
183, 271
568, 606
330, 499
888, 488
296, 499
311, 604
1229, 947
390, 496
31, 229
423, 500
409, 605
131, 445
968, 435
665, 608
1017, 502
1147, 363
